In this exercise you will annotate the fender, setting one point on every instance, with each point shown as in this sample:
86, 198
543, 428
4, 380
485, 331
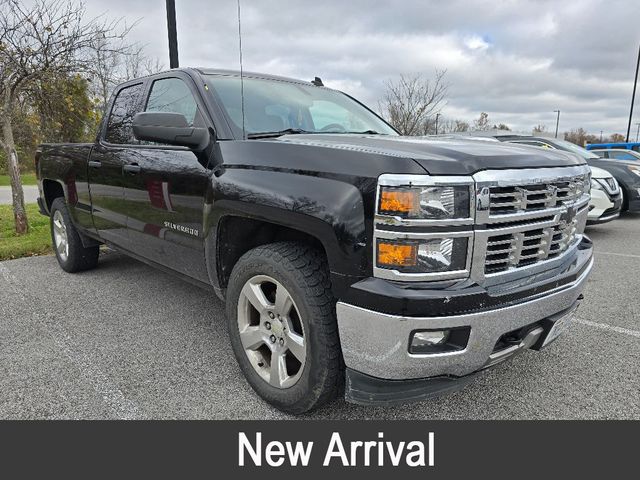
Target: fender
329, 210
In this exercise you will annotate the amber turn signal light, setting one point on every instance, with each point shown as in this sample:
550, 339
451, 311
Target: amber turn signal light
398, 201
397, 254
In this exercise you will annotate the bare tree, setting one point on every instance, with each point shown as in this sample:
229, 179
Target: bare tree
138, 64
580, 137
616, 138
539, 129
104, 71
482, 123
410, 102
117, 62
45, 38
447, 125
461, 126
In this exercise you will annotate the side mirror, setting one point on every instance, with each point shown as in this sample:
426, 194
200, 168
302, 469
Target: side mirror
169, 128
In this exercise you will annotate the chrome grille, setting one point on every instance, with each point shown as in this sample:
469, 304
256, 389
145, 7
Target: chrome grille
528, 217
524, 198
527, 247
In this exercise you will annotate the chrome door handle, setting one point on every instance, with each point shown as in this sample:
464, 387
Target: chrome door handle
133, 168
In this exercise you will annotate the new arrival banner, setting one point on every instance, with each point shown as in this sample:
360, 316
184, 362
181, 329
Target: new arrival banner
283, 449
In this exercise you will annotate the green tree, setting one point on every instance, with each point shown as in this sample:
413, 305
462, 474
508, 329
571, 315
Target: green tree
65, 109
40, 40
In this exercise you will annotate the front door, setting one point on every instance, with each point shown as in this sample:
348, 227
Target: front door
165, 189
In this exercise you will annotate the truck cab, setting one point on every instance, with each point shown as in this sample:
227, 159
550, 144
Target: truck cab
350, 258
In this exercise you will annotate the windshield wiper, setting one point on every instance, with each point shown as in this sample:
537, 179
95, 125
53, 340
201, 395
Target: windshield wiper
364, 132
287, 131
369, 132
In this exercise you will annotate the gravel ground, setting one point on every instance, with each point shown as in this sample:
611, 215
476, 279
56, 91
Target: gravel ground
127, 341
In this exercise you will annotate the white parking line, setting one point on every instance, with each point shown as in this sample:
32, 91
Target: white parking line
122, 407
627, 255
606, 326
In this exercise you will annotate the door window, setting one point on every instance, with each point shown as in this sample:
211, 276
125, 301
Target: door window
125, 106
172, 95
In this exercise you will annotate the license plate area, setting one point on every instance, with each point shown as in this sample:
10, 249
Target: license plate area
559, 325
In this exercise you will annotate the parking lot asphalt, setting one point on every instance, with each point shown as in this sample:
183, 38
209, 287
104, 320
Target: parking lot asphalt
127, 341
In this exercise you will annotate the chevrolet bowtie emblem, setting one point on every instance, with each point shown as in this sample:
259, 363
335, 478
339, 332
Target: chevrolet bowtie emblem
567, 216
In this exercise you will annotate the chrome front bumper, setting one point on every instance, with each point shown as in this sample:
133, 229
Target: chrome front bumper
377, 344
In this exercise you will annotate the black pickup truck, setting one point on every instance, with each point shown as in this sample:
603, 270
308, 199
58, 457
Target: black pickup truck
350, 258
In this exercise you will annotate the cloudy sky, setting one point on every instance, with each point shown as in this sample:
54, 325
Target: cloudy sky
516, 60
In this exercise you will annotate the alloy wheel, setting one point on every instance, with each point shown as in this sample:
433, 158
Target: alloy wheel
271, 331
60, 237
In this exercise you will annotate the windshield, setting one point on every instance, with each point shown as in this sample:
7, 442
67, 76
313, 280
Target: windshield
572, 147
275, 106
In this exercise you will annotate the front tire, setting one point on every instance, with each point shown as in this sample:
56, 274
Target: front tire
72, 255
282, 326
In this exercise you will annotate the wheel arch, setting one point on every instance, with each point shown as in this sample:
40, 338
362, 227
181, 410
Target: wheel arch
237, 234
52, 189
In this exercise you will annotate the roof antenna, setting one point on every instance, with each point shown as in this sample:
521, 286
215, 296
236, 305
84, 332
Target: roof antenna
244, 133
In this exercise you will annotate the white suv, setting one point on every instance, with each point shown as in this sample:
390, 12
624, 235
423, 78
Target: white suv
606, 198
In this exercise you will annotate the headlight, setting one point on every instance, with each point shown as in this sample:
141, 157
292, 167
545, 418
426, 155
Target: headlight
437, 255
408, 209
634, 169
425, 202
595, 184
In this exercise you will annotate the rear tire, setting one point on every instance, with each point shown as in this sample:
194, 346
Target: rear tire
307, 370
72, 255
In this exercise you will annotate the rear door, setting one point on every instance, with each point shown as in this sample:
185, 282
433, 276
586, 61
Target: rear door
106, 162
165, 186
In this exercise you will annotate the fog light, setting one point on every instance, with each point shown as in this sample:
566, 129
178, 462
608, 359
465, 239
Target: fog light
439, 341
437, 337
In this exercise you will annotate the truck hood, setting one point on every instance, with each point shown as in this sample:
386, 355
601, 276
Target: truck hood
441, 156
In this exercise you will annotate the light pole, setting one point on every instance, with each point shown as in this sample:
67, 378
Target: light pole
633, 95
637, 131
600, 136
173, 35
557, 121
437, 116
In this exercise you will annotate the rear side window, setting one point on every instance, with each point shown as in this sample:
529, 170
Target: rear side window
125, 106
172, 95
622, 155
